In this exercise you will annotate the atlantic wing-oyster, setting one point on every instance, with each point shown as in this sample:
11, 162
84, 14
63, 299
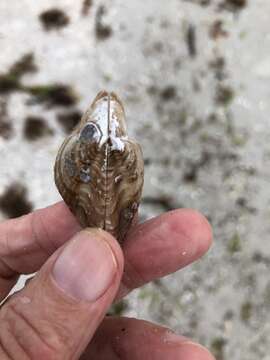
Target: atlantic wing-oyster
99, 170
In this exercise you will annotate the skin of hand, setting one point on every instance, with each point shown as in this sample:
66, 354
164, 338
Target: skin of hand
61, 312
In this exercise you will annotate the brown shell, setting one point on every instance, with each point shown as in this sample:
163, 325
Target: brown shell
99, 170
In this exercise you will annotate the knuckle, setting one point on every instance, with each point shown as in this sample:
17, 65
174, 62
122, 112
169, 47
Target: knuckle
40, 231
20, 339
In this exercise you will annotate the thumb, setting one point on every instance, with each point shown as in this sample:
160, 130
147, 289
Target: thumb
57, 313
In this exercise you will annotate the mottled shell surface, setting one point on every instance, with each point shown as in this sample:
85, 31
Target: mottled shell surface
99, 169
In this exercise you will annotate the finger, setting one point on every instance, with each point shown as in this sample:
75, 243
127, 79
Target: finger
164, 245
57, 313
27, 242
131, 339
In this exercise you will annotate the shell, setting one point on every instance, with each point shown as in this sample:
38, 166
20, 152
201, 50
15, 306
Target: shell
99, 169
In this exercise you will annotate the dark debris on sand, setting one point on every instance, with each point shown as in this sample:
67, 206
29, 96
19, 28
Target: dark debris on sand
164, 202
168, 93
11, 80
6, 128
53, 94
191, 40
53, 19
14, 202
233, 5
69, 120
86, 6
103, 31
36, 127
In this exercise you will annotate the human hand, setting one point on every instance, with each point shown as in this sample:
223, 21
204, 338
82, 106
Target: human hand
60, 313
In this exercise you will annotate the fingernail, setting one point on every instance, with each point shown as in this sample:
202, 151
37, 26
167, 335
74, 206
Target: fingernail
86, 267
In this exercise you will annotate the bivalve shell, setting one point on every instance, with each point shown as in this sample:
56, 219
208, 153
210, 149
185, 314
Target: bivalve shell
99, 169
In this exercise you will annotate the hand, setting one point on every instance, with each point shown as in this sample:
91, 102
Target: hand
57, 315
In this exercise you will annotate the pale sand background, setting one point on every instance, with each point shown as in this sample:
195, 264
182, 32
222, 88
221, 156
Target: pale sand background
200, 153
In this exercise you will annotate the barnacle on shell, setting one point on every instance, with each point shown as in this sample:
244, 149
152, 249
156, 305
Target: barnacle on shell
99, 169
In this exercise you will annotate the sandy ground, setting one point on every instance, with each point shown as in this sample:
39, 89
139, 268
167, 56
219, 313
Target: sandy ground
194, 76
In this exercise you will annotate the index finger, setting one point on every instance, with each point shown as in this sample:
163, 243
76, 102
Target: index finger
153, 249
163, 245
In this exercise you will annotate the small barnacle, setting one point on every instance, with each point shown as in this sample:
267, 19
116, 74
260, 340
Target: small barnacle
85, 175
99, 169
117, 179
90, 133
